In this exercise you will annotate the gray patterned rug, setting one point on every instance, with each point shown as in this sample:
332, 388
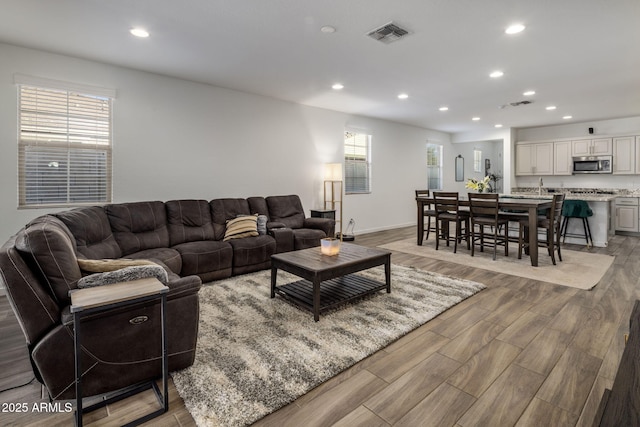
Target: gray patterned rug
256, 354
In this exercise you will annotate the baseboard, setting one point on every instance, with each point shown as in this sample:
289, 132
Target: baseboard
385, 228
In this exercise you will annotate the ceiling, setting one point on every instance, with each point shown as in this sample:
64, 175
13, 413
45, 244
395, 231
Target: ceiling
583, 56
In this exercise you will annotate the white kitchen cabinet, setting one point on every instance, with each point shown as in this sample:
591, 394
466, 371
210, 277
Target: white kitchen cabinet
627, 214
637, 156
592, 147
534, 158
562, 164
624, 155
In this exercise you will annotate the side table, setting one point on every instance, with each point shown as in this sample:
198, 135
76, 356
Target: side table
103, 298
323, 213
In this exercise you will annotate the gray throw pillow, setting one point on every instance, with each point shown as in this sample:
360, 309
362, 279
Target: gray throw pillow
124, 275
262, 224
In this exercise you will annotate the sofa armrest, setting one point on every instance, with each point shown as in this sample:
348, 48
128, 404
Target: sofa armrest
327, 225
284, 239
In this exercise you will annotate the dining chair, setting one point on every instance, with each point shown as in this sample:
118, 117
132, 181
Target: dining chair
429, 213
447, 208
576, 209
551, 224
485, 212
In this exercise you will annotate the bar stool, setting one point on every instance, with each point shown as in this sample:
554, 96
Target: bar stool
576, 209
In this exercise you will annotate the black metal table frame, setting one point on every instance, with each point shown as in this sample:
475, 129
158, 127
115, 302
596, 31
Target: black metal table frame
163, 398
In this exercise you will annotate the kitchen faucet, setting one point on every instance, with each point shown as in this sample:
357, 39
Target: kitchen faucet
540, 184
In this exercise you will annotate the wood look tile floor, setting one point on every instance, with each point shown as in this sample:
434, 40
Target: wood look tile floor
520, 353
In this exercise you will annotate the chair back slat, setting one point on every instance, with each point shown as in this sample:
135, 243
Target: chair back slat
556, 211
484, 204
422, 193
446, 202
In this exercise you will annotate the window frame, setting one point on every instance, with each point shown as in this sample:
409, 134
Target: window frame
357, 157
65, 143
437, 167
477, 160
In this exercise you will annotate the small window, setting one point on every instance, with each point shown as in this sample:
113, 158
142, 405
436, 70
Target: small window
434, 166
64, 147
357, 163
477, 160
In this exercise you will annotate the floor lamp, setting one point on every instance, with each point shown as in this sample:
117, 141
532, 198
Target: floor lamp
333, 190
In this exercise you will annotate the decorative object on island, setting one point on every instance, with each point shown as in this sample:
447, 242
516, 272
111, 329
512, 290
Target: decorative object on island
333, 190
479, 185
330, 246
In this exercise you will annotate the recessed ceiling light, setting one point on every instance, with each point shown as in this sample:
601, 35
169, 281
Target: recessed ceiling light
139, 32
514, 29
498, 125
529, 93
496, 74
443, 108
567, 117
551, 107
337, 86
475, 119
328, 29
403, 96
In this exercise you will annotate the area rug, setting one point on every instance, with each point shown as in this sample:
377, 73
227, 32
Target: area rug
582, 270
256, 354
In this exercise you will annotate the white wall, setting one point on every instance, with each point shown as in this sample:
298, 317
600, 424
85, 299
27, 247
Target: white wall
503, 152
628, 126
179, 139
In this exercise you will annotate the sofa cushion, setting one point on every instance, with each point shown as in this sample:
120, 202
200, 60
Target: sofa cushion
205, 257
307, 238
252, 251
258, 205
48, 242
167, 256
92, 231
287, 210
243, 226
223, 210
189, 221
139, 226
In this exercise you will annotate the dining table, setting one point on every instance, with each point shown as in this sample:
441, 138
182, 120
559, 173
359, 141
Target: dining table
528, 206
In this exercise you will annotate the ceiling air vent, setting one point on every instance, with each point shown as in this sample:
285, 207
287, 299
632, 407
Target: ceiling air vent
388, 33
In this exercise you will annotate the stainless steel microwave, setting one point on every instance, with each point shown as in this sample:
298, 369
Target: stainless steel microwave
592, 164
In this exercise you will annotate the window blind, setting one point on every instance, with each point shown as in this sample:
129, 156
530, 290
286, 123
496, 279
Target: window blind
64, 147
434, 166
357, 162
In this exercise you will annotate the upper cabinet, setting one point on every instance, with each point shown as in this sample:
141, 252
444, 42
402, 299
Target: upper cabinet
592, 147
624, 155
534, 158
556, 158
562, 164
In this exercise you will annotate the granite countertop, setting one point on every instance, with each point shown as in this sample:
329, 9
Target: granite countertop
589, 197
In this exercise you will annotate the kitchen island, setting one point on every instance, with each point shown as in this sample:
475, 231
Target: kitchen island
602, 223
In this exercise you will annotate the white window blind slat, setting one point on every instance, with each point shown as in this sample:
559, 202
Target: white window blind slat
64, 148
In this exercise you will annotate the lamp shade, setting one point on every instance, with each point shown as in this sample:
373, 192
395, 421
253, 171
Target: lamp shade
333, 172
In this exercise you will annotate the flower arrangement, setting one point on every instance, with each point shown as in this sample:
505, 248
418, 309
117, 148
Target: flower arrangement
480, 186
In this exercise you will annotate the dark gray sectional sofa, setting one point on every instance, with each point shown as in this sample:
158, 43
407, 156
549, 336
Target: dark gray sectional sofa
39, 267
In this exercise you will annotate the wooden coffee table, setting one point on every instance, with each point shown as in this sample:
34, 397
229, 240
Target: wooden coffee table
328, 281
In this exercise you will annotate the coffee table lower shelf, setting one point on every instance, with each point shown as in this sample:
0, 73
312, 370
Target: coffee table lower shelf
333, 292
